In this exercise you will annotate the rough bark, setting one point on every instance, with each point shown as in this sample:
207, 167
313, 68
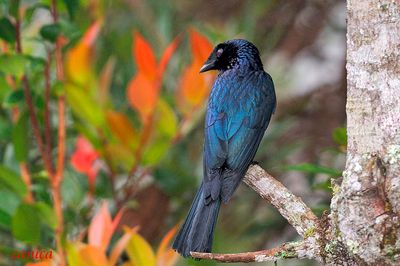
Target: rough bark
363, 227
367, 205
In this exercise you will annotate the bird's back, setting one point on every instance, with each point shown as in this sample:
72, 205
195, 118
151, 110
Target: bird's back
239, 109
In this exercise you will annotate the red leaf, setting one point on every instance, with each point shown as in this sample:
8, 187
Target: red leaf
201, 47
83, 159
142, 94
168, 52
144, 57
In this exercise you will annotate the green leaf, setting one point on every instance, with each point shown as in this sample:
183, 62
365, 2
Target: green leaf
20, 137
14, 8
155, 151
50, 32
72, 191
140, 252
5, 220
5, 129
4, 88
13, 98
7, 30
73, 255
26, 224
58, 88
47, 214
9, 201
164, 129
83, 105
72, 6
13, 64
166, 122
315, 169
39, 101
340, 136
12, 181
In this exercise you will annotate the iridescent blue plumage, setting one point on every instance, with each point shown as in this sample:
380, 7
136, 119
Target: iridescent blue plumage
239, 109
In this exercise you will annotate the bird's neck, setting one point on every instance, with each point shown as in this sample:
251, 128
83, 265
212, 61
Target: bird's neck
243, 67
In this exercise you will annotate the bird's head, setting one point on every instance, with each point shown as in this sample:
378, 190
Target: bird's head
231, 54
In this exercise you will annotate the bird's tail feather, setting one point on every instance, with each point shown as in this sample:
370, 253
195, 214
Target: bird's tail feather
196, 233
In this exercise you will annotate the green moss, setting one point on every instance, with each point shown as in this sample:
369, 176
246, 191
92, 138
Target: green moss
330, 247
285, 254
310, 231
393, 253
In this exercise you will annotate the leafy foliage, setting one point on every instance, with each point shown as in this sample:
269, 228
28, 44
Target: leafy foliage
133, 106
107, 143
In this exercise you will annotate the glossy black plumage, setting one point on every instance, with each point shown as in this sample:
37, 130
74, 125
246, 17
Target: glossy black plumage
239, 109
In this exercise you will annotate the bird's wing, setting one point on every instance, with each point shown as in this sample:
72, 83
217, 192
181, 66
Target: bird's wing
233, 134
215, 152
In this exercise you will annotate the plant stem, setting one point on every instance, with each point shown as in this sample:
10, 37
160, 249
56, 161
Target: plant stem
28, 98
57, 179
14, 118
47, 88
27, 180
55, 191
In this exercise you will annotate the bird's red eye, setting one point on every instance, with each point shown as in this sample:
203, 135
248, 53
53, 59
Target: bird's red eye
219, 52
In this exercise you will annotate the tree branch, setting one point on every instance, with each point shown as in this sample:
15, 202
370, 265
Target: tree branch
300, 250
293, 209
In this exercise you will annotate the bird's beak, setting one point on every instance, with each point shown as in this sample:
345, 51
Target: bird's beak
209, 65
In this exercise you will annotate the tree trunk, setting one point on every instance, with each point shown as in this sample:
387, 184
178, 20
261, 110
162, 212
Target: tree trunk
366, 206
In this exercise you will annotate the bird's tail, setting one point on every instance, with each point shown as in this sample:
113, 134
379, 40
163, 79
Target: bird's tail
196, 234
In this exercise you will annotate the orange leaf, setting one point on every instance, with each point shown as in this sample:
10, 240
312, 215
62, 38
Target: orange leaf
117, 218
165, 255
201, 46
101, 228
168, 52
78, 59
194, 89
169, 258
121, 244
144, 57
122, 155
93, 256
121, 127
41, 263
142, 95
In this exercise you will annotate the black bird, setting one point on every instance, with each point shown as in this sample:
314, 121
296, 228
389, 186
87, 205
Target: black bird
239, 109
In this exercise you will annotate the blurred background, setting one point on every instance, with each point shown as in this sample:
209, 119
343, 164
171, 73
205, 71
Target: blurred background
134, 117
